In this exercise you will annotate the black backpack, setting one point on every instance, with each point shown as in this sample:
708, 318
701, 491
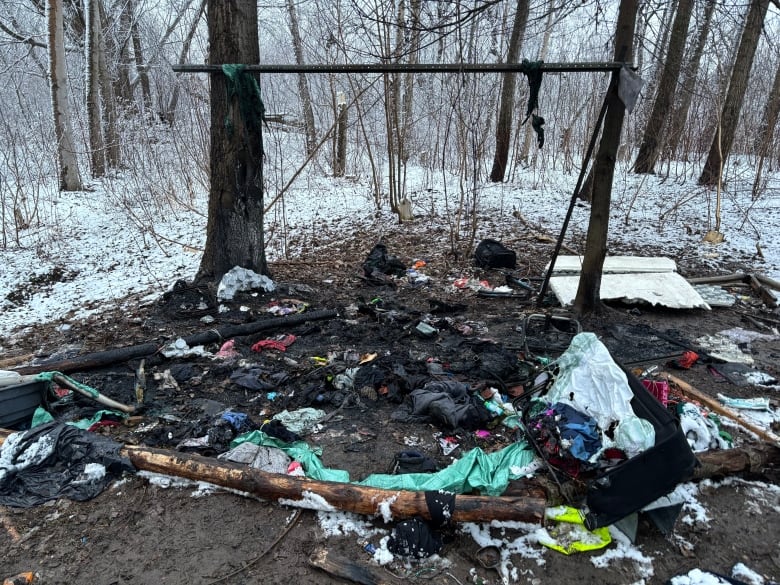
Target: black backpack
493, 254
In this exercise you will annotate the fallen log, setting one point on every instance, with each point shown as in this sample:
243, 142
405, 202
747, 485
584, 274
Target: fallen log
15, 360
750, 461
118, 355
690, 392
327, 495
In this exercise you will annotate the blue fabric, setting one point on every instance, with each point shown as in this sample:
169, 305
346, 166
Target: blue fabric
580, 429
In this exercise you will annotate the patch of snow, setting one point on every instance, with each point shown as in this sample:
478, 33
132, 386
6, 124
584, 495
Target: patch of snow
521, 542
310, 501
624, 550
382, 555
12, 459
335, 523
743, 573
383, 509
698, 577
92, 472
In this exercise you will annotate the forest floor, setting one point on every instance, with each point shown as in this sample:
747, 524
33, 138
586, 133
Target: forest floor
143, 530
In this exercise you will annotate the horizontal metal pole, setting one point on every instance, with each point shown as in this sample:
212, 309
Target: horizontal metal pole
409, 68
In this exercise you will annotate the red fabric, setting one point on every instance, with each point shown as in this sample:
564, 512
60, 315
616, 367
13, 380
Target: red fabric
278, 343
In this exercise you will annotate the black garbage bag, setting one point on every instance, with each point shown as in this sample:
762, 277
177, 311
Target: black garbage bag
56, 460
379, 261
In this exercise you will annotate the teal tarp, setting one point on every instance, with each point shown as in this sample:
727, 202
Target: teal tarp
488, 473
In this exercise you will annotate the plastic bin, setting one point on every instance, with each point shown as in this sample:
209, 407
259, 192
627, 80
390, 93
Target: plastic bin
18, 402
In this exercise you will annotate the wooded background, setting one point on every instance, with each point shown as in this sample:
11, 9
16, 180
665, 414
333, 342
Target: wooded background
89, 93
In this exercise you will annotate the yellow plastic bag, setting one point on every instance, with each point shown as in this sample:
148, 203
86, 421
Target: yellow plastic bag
569, 535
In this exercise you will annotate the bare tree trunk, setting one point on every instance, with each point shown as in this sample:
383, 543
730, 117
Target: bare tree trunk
659, 45
97, 149
721, 145
303, 86
69, 176
507, 104
234, 231
587, 299
771, 112
654, 130
680, 113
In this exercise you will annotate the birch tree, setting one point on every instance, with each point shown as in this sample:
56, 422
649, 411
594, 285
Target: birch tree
303, 86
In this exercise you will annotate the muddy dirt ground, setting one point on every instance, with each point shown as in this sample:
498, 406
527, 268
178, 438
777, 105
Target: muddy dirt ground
138, 531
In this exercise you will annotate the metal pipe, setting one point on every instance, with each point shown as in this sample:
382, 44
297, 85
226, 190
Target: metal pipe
408, 68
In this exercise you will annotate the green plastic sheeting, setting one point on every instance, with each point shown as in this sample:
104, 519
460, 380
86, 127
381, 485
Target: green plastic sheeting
43, 416
488, 473
49, 377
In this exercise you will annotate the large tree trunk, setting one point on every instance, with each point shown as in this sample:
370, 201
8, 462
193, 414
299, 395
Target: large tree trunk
688, 86
97, 149
507, 103
303, 86
724, 137
588, 299
69, 176
654, 130
234, 232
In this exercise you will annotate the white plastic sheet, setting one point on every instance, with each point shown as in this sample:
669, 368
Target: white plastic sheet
239, 279
592, 382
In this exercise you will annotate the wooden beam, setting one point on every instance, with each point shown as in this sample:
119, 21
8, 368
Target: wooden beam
690, 392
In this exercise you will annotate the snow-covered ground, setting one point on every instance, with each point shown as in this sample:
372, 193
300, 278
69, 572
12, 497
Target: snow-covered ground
88, 250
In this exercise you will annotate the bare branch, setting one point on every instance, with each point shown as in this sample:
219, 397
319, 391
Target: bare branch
29, 40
